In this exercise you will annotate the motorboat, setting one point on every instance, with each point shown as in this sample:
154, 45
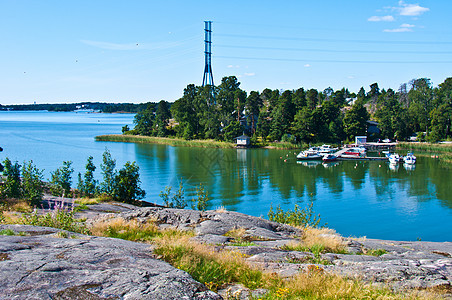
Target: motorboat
355, 152
395, 158
310, 154
409, 159
329, 158
327, 149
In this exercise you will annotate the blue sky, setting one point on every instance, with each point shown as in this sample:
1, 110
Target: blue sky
139, 51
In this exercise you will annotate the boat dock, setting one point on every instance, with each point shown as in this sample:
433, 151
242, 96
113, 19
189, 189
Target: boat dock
340, 156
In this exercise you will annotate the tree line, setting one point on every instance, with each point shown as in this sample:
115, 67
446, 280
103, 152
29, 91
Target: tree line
26, 181
226, 111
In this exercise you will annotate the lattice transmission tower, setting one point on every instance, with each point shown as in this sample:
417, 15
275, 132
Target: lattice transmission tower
208, 76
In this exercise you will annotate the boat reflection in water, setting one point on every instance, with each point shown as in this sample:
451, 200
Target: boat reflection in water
310, 163
394, 167
409, 167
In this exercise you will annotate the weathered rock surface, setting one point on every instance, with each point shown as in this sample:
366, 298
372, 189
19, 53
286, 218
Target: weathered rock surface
404, 265
42, 265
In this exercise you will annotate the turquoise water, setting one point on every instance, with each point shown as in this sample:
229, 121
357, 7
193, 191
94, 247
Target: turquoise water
356, 199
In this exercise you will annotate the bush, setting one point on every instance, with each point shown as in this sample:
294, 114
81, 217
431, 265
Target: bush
304, 217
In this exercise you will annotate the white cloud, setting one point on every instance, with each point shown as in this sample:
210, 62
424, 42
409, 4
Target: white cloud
410, 9
388, 18
307, 65
407, 26
249, 74
232, 66
400, 29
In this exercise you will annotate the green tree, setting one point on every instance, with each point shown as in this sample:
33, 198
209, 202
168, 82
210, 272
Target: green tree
253, 105
32, 185
89, 183
144, 121
162, 116
421, 103
355, 120
11, 188
127, 184
61, 180
108, 172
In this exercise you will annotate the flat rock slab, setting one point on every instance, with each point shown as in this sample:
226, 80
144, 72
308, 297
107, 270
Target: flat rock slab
43, 266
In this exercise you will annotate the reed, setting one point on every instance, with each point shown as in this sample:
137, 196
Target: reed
428, 147
163, 141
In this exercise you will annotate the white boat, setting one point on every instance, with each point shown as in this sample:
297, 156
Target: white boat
310, 154
410, 159
327, 149
354, 152
394, 158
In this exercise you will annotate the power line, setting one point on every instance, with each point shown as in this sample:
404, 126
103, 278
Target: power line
332, 50
335, 61
334, 40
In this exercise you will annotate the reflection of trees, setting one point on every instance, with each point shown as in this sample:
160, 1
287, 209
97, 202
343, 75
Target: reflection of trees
232, 176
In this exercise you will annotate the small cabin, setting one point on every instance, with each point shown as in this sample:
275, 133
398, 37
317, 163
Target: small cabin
360, 140
243, 141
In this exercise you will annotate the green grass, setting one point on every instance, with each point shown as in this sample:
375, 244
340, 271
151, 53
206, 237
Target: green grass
428, 147
376, 252
163, 140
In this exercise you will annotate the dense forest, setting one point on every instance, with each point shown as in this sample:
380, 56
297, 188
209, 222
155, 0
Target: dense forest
96, 106
225, 111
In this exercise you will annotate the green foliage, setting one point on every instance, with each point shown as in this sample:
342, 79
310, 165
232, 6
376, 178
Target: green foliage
298, 217
202, 198
11, 188
125, 129
61, 180
108, 172
355, 120
32, 185
207, 268
89, 184
127, 184
59, 217
376, 252
177, 199
7, 232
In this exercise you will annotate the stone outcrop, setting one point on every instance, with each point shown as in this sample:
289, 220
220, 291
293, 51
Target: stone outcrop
45, 265
403, 264
48, 264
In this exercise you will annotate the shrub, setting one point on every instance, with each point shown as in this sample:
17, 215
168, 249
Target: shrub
304, 217
59, 217
201, 200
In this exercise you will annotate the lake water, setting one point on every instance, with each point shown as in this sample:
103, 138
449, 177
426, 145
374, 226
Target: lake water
356, 199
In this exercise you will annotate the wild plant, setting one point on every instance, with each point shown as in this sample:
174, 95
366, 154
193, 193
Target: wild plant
298, 217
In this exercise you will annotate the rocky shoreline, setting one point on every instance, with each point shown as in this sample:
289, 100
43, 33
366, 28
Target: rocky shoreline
43, 263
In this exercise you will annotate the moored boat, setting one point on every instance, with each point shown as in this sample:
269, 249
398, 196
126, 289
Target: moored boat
409, 159
395, 158
310, 154
329, 158
355, 152
327, 149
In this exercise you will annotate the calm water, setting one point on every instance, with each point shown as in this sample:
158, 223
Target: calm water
356, 199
